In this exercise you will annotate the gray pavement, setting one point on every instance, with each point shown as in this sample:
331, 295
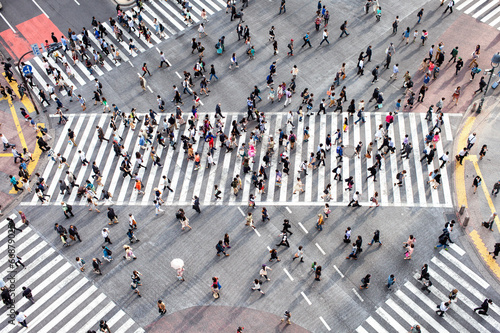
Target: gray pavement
335, 302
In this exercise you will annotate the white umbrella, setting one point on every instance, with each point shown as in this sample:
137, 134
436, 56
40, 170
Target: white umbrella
177, 263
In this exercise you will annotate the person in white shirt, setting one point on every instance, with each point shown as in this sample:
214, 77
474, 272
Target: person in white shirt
395, 71
83, 158
21, 319
105, 235
444, 159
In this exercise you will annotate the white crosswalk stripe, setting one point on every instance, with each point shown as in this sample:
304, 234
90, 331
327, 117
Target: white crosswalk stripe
187, 182
410, 306
487, 11
65, 299
169, 14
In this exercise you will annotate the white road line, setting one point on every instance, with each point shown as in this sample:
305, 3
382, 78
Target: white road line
116, 318
391, 321
396, 196
75, 302
255, 229
149, 88
125, 326
406, 163
288, 209
268, 248
77, 3
447, 127
383, 170
430, 167
39, 272
299, 142
422, 313
361, 330
169, 18
357, 294
474, 6
439, 279
464, 269
403, 314
308, 181
491, 14
305, 297
444, 172
358, 184
320, 249
40, 8
94, 320
324, 323
303, 228
457, 249
485, 9
154, 37
373, 323
416, 156
176, 14
241, 211
10, 26
22, 246
321, 169
464, 4
338, 271
432, 305
457, 309
286, 272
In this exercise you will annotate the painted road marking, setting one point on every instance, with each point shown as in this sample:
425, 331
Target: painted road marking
320, 249
403, 314
268, 248
288, 209
373, 323
303, 228
11, 28
459, 169
255, 229
40, 8
324, 323
457, 249
178, 75
357, 294
338, 271
290, 276
305, 297
483, 251
241, 211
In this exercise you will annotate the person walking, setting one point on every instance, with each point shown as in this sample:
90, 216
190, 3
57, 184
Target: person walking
483, 308
317, 273
96, 263
496, 250
320, 222
376, 238
343, 28
443, 240
424, 272
105, 235
257, 286
21, 319
451, 3
476, 182
306, 40
113, 218
28, 294
365, 282
196, 204
496, 188
73, 233
107, 253
274, 255
249, 220
215, 287
220, 249
390, 281
443, 307
283, 241
12, 225
129, 254
287, 314
161, 307
299, 254
67, 209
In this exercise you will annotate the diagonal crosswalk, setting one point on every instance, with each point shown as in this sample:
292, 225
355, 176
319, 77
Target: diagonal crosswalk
65, 299
169, 14
187, 182
410, 305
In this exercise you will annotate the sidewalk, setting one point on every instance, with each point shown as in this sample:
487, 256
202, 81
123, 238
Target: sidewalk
20, 133
481, 204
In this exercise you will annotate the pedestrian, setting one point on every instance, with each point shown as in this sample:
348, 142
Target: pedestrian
343, 28
299, 254
263, 272
220, 249
365, 282
399, 177
96, 263
283, 241
451, 3
287, 314
107, 253
376, 238
489, 224
443, 307
196, 204
320, 222
21, 319
483, 151
317, 273
453, 295
104, 327
249, 220
355, 200
424, 273
483, 308
67, 209
274, 255
496, 250
496, 188
443, 240
135, 289
81, 263
113, 218
471, 140
456, 95
226, 241
409, 252
347, 235
28, 294
286, 227
105, 235
131, 236
390, 281
215, 287
73, 233
306, 40
476, 182
129, 254
12, 225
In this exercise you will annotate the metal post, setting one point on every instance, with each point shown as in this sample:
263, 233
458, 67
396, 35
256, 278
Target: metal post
28, 90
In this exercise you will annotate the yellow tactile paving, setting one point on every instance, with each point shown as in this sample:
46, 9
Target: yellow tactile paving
459, 169
483, 251
473, 158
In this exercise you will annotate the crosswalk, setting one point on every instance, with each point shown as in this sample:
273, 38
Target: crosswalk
65, 299
168, 13
187, 182
487, 11
410, 305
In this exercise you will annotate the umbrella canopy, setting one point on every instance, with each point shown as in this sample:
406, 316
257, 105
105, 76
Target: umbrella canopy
177, 263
